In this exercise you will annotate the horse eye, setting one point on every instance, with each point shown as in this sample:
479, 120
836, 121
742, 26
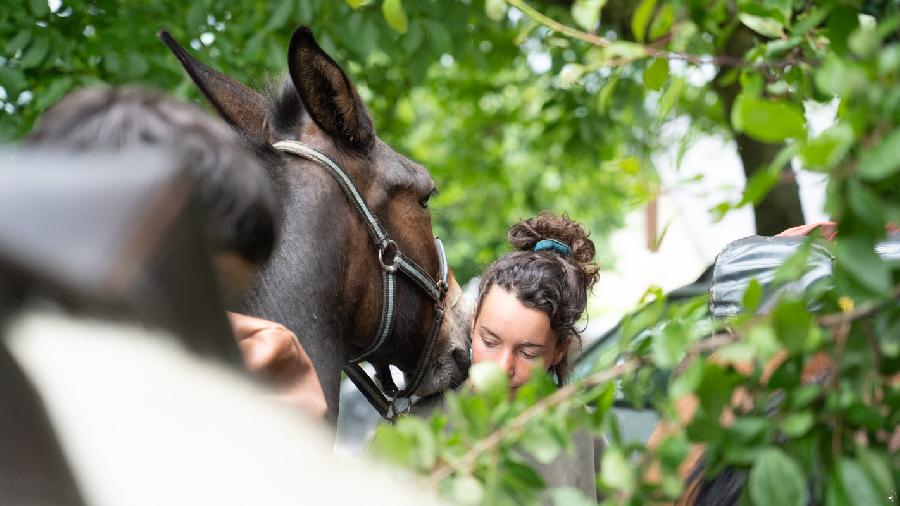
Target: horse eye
432, 194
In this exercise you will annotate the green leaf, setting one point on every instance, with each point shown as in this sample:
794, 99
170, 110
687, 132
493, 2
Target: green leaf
391, 445
792, 322
829, 148
616, 472
781, 9
656, 74
839, 77
569, 496
356, 4
602, 403
196, 16
763, 340
521, 475
644, 317
607, 91
765, 26
777, 479
570, 74
796, 265
797, 424
858, 484
662, 22
620, 50
439, 38
768, 120
540, 443
759, 185
809, 20
18, 42
688, 381
889, 60
669, 344
394, 14
489, 379
135, 66
865, 204
714, 390
737, 352
279, 15
856, 257
641, 18
35, 53
883, 161
752, 296
39, 8
748, 428
586, 13
670, 97
864, 41
13, 80
495, 9
779, 47
465, 490
55, 91
412, 40
876, 467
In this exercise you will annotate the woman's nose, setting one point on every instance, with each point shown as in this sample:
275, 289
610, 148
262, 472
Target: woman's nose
508, 363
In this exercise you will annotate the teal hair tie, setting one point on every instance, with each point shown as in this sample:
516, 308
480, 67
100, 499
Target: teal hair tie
555, 245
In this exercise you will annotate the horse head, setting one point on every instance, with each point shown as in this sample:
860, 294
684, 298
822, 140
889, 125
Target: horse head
325, 279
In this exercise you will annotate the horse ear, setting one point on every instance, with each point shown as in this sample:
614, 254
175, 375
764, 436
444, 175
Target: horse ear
240, 106
327, 92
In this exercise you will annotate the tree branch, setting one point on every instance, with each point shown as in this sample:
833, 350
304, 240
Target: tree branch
650, 51
711, 344
518, 423
863, 311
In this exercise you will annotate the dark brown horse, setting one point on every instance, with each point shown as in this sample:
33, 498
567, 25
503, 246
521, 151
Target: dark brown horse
324, 280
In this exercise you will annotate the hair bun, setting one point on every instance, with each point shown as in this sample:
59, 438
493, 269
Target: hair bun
525, 234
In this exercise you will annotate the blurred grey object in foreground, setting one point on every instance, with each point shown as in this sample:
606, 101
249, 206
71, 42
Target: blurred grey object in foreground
97, 409
117, 234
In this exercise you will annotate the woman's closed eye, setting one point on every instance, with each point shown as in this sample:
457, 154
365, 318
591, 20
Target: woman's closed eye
490, 343
530, 355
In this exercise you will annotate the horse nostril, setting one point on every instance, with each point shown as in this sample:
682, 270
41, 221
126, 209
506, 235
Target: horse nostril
461, 357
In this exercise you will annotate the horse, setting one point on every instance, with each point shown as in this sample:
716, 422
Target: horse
354, 214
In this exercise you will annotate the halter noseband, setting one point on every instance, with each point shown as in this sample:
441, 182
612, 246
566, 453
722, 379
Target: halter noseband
392, 260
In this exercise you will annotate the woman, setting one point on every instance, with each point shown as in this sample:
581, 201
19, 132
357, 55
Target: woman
530, 300
526, 319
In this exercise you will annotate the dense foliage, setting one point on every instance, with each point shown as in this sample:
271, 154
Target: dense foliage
517, 106
755, 404
446, 85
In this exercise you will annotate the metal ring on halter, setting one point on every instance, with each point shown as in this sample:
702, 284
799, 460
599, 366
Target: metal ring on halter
393, 265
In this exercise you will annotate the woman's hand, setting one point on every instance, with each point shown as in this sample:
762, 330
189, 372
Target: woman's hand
828, 229
273, 351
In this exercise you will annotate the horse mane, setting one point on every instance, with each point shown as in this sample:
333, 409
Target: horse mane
285, 106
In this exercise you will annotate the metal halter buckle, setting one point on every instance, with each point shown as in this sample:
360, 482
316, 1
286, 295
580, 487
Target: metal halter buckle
394, 258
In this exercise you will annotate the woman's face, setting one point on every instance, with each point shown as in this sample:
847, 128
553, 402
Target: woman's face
515, 337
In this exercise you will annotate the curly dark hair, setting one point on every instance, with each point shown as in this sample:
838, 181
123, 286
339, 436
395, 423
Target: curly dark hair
547, 280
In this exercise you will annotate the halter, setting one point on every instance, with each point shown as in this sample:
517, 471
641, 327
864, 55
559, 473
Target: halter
391, 259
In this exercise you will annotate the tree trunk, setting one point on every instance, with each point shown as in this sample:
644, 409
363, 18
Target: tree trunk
780, 209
